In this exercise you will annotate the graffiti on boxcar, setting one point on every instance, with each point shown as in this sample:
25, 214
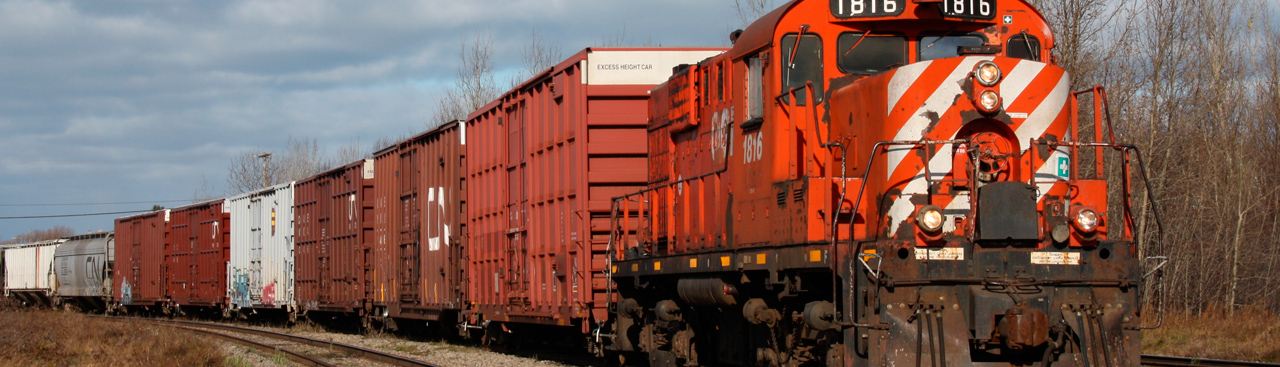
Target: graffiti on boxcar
240, 287
92, 273
126, 293
269, 294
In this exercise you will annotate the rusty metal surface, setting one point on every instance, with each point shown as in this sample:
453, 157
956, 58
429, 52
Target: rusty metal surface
418, 208
333, 221
196, 259
140, 259
543, 163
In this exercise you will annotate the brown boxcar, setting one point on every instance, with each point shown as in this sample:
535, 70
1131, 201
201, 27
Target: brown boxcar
138, 278
198, 249
332, 215
543, 163
417, 261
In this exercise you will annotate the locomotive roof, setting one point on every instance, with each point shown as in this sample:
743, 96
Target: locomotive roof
760, 33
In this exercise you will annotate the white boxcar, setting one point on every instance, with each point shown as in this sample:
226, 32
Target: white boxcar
27, 271
260, 273
83, 266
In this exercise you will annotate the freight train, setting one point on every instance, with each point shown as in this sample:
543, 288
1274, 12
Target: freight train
853, 183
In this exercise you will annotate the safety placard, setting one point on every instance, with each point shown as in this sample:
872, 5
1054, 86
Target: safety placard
944, 253
1055, 258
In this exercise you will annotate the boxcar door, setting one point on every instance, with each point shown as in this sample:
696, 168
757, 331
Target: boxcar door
209, 247
134, 274
255, 251
410, 225
517, 279
181, 267
324, 222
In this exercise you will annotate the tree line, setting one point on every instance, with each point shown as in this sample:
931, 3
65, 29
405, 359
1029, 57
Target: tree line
1196, 85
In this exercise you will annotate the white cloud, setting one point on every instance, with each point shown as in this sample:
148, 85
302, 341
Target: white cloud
131, 100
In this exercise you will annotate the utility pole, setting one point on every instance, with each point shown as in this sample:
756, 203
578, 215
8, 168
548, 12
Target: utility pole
266, 157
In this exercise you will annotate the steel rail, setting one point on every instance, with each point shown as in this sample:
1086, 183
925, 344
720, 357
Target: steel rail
1171, 361
350, 350
300, 358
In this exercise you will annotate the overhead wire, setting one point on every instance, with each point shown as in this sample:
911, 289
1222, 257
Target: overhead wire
74, 215
87, 204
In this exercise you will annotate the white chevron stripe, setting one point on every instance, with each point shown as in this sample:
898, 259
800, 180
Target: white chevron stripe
1018, 80
1049, 171
941, 100
939, 167
1039, 120
958, 202
903, 78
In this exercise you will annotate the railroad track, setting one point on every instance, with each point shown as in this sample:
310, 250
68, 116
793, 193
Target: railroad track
1170, 361
343, 349
373, 355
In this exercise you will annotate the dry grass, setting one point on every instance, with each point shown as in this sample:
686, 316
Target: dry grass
51, 338
1248, 335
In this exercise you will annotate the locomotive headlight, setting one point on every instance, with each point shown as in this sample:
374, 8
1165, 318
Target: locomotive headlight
987, 73
929, 218
989, 101
1087, 220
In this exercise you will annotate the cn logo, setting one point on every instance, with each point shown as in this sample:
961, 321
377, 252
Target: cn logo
753, 147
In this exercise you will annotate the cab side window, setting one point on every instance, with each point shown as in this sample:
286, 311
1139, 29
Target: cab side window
859, 53
755, 90
801, 64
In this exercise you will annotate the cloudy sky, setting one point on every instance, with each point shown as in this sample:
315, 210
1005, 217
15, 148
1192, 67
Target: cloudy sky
142, 100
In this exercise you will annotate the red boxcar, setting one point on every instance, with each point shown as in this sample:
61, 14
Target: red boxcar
196, 259
417, 259
332, 220
138, 278
543, 163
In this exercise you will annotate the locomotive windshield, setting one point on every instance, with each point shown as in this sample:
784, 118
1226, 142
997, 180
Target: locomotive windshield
947, 45
1023, 46
871, 54
801, 65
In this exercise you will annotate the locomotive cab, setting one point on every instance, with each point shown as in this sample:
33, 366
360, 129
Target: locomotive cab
877, 182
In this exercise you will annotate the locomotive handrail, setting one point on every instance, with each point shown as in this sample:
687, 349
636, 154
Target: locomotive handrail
857, 202
1125, 148
1155, 213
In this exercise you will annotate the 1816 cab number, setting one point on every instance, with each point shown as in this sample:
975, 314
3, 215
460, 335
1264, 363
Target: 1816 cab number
979, 9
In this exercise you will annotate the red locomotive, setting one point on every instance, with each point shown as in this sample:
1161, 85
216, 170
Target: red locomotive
854, 183
876, 182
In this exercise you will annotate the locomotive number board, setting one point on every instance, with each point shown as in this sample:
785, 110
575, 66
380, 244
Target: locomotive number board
866, 8
976, 9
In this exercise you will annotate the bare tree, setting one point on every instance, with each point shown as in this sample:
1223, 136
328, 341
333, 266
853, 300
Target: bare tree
41, 235
475, 85
203, 192
300, 159
538, 55
617, 39
386, 142
347, 154
750, 10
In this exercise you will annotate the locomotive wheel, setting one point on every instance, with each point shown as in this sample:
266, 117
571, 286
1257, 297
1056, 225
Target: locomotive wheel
662, 358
